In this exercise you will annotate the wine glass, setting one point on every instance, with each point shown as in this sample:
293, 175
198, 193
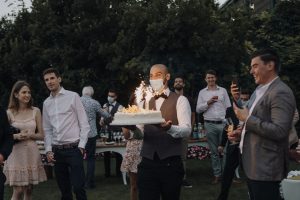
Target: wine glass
230, 128
105, 135
119, 137
115, 136
123, 139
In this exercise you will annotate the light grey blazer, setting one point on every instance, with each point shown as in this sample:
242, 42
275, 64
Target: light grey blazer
265, 147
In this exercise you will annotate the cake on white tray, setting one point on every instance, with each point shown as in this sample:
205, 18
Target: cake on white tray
134, 115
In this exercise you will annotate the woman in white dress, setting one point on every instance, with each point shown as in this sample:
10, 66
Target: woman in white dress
24, 167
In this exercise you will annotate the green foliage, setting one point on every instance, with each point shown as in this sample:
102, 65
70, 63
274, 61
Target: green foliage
112, 43
280, 29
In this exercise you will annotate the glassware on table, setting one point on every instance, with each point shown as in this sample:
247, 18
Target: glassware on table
195, 131
201, 131
105, 135
115, 136
123, 139
119, 137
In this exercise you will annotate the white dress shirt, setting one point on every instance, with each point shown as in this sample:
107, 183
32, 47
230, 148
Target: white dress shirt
109, 107
217, 110
64, 120
259, 92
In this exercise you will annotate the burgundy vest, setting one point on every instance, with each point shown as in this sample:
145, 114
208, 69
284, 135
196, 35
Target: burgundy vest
157, 140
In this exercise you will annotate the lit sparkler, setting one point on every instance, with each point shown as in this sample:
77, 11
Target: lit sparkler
143, 93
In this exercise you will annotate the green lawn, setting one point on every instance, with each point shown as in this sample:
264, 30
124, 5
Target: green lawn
199, 173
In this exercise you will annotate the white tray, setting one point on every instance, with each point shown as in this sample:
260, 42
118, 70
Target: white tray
135, 122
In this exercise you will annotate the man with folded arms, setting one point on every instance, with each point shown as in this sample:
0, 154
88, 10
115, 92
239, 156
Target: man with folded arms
66, 130
213, 102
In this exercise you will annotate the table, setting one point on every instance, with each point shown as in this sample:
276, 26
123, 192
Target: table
121, 149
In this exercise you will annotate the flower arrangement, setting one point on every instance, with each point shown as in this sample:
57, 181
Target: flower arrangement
198, 152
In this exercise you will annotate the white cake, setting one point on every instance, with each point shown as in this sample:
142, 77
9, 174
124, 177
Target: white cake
134, 115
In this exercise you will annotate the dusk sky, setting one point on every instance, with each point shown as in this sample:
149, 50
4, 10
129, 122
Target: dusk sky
8, 6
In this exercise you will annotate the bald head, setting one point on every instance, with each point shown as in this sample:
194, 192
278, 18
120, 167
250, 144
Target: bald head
160, 71
161, 67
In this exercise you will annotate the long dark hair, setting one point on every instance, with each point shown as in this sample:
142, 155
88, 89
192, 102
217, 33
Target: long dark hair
13, 101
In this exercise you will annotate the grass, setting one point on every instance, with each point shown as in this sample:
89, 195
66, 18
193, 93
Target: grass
199, 174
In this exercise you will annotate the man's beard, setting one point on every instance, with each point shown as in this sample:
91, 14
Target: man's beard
178, 87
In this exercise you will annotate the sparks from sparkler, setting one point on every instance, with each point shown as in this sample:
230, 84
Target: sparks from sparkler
143, 93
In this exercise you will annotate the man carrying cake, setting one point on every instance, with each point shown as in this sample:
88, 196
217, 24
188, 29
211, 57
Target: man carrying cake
160, 172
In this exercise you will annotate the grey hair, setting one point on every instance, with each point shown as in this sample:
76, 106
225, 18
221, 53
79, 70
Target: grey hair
88, 90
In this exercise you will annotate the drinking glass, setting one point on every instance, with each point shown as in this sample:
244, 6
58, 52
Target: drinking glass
115, 136
229, 128
119, 137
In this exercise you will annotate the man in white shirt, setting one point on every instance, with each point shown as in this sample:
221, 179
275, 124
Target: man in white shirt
66, 130
267, 121
213, 102
179, 85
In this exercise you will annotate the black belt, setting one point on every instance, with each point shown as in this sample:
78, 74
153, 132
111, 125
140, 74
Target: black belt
213, 122
66, 146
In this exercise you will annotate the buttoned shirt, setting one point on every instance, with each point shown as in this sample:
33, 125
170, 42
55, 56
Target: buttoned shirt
92, 108
64, 120
109, 106
217, 110
259, 92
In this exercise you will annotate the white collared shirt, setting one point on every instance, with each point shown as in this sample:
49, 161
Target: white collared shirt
259, 92
183, 108
64, 120
108, 106
217, 110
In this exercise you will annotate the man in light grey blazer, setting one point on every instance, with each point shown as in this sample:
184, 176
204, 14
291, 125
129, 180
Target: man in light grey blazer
264, 138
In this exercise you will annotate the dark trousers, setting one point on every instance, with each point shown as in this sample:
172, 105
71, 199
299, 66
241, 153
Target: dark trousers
231, 162
2, 181
90, 149
69, 173
263, 190
107, 158
160, 178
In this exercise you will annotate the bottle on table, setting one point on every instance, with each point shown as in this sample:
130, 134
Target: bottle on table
195, 131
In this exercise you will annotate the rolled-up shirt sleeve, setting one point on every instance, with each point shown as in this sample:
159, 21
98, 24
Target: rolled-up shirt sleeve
47, 129
201, 104
183, 129
102, 112
83, 122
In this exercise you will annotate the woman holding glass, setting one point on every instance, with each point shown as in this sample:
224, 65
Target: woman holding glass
24, 167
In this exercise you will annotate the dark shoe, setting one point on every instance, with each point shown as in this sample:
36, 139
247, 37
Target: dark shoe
237, 180
186, 184
119, 174
89, 186
216, 180
107, 175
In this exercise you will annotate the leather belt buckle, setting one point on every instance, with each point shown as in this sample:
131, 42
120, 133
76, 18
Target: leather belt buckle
213, 122
66, 146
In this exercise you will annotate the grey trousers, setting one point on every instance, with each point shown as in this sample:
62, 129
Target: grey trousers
214, 136
183, 155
